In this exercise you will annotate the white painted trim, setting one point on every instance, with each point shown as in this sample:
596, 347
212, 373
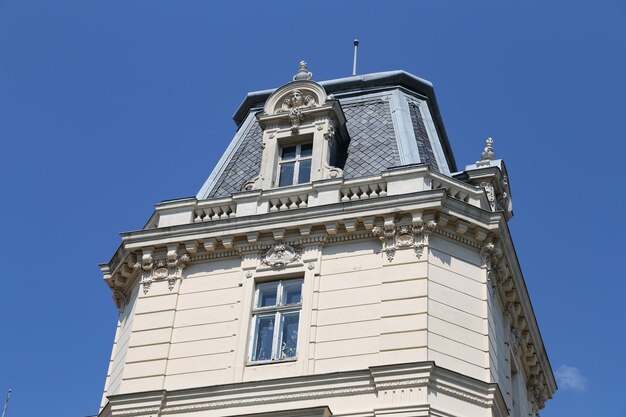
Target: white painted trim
363, 98
435, 142
217, 172
403, 127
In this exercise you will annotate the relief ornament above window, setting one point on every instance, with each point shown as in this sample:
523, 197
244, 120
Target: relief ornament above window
280, 255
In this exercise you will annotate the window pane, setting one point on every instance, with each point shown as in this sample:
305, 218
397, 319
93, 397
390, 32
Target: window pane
306, 149
304, 174
289, 336
289, 152
286, 174
263, 338
292, 292
267, 294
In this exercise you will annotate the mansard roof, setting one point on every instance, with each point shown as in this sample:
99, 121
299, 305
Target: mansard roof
392, 119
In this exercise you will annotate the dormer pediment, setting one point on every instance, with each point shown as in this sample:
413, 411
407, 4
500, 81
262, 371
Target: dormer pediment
296, 95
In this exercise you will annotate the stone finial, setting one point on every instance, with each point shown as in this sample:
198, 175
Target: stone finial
303, 72
488, 154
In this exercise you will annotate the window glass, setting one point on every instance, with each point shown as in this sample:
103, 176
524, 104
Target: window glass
289, 152
292, 292
306, 149
275, 321
267, 294
264, 338
289, 337
304, 173
286, 174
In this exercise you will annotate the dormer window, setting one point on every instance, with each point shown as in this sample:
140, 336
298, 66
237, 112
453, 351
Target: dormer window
295, 164
303, 132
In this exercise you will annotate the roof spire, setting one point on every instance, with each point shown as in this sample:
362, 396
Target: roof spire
488, 154
303, 72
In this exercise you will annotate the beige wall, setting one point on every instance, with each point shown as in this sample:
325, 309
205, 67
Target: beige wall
359, 310
457, 337
117, 364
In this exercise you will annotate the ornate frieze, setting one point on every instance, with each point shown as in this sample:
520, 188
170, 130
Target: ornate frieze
413, 237
170, 268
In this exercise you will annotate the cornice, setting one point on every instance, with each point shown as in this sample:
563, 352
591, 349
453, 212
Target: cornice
293, 218
374, 381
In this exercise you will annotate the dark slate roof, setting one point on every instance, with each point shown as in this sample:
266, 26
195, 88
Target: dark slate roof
372, 143
244, 166
372, 147
364, 83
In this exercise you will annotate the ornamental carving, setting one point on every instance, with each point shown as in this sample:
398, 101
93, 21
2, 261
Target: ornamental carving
297, 100
492, 259
537, 393
119, 299
491, 194
170, 269
293, 106
515, 339
280, 255
404, 237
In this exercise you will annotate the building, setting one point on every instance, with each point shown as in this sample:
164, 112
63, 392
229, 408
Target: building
335, 263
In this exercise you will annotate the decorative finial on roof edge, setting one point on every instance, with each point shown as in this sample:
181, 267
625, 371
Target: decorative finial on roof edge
303, 73
488, 154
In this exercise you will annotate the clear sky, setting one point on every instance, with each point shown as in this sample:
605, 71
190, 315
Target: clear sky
108, 106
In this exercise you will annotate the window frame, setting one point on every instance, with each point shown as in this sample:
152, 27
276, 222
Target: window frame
278, 311
296, 160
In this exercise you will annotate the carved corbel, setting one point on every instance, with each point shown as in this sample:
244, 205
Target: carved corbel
170, 268
403, 237
515, 338
145, 265
330, 133
429, 228
119, 299
537, 393
487, 259
175, 264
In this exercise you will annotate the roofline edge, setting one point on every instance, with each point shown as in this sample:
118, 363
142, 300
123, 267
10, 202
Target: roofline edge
377, 79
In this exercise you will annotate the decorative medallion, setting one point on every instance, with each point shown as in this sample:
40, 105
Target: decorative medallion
280, 255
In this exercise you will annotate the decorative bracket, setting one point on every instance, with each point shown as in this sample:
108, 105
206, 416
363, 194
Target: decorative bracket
170, 268
404, 237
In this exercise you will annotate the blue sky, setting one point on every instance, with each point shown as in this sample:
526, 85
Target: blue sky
107, 107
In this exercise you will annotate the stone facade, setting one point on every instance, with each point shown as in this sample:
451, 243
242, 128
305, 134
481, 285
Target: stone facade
395, 291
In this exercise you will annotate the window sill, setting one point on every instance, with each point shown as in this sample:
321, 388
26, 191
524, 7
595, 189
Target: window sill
274, 361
